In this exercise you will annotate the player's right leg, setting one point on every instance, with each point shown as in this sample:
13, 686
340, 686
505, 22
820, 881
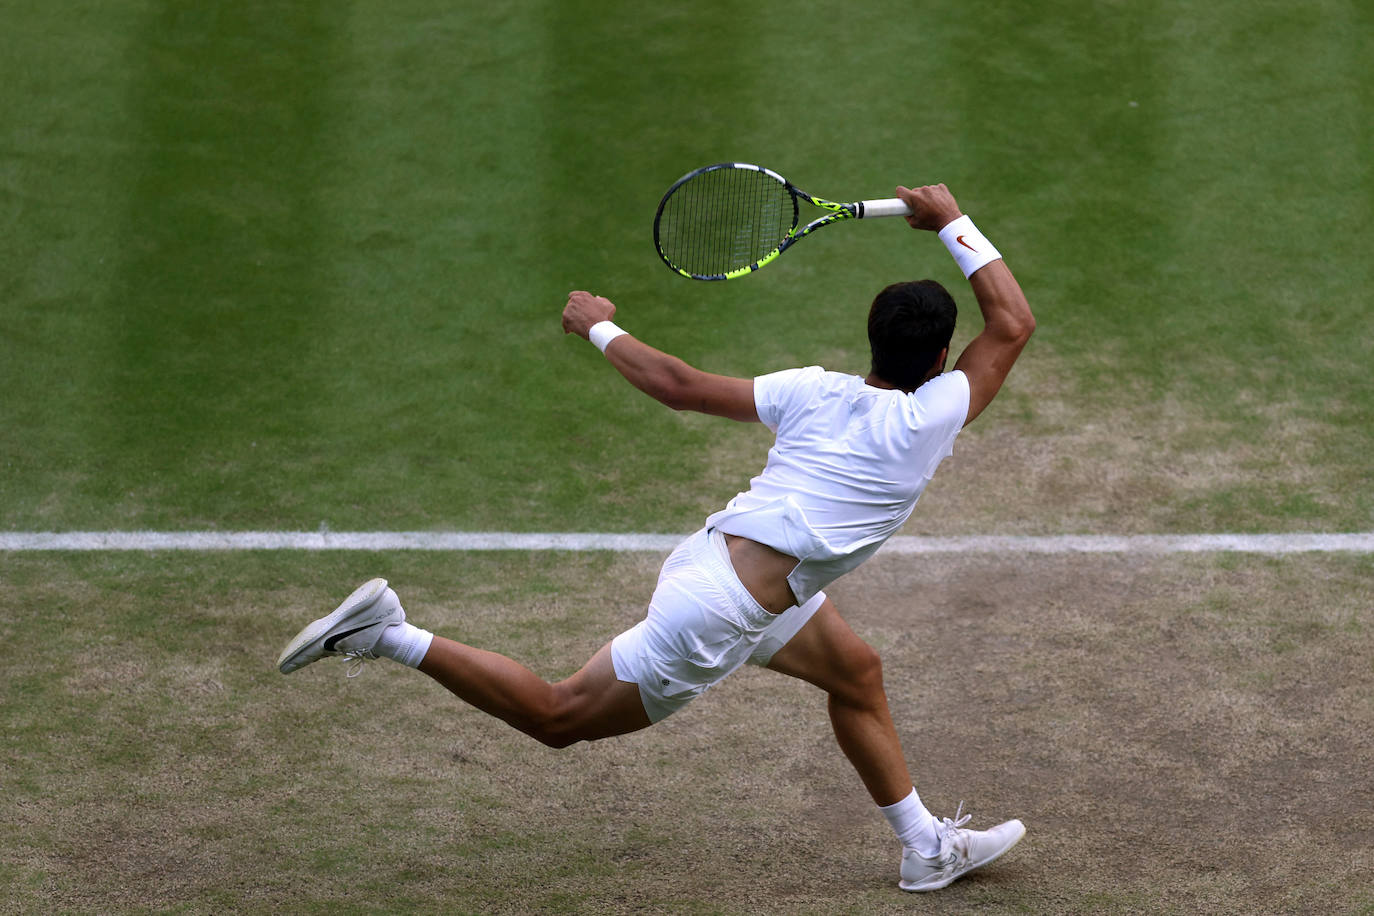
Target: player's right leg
370, 623
830, 655
827, 653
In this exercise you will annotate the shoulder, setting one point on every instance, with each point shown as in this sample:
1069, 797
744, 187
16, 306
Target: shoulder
779, 393
775, 385
947, 384
946, 395
791, 376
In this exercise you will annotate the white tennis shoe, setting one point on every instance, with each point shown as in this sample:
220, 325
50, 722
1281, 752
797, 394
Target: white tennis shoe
352, 630
961, 851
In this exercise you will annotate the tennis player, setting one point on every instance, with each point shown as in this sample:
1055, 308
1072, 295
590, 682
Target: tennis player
851, 457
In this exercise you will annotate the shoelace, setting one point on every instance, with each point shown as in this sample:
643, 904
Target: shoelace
947, 828
357, 659
957, 821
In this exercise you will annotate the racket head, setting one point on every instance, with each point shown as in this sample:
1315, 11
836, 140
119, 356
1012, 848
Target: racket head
725, 220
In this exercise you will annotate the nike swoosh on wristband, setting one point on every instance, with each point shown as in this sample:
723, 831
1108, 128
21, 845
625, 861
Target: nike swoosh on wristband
960, 240
333, 641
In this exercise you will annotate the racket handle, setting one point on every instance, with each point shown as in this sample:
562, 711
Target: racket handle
892, 206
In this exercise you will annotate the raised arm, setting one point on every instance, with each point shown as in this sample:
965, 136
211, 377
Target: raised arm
1007, 318
661, 376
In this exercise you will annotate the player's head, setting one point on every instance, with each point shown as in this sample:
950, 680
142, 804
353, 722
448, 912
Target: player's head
909, 329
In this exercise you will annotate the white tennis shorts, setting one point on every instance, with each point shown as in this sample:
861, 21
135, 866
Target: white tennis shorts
701, 626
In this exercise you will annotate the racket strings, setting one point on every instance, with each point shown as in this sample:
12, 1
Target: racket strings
724, 220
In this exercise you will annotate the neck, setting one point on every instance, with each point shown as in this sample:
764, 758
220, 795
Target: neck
877, 381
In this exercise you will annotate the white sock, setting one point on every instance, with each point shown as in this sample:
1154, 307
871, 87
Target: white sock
405, 643
914, 825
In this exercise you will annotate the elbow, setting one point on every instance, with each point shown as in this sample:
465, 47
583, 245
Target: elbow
1019, 327
673, 389
1012, 333
674, 399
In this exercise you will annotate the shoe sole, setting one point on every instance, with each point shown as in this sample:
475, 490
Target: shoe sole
946, 882
363, 597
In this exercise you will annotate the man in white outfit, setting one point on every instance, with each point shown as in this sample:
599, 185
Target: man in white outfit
851, 457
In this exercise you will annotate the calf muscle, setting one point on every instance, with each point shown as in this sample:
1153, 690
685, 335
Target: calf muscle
828, 654
590, 705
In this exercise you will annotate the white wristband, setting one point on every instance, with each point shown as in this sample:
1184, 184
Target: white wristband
970, 248
603, 332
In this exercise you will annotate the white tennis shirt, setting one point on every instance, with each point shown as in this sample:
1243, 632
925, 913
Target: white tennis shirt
846, 468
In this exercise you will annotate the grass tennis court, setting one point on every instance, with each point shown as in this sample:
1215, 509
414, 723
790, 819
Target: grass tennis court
285, 267
1180, 735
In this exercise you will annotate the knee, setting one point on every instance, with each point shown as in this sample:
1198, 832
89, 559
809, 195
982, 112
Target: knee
551, 734
557, 724
862, 684
868, 669
555, 738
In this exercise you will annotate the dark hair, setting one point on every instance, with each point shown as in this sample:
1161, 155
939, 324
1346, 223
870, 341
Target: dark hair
908, 325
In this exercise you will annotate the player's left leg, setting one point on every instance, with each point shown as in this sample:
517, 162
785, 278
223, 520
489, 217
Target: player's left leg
370, 623
591, 704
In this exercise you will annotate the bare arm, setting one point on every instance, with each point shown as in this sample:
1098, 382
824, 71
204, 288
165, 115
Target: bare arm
662, 376
1007, 319
1007, 325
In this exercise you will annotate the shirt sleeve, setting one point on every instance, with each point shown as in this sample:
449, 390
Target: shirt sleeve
776, 392
942, 404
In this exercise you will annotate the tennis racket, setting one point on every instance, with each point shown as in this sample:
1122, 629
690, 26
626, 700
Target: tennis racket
728, 220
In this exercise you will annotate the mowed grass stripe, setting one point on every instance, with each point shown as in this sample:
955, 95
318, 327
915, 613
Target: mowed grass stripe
61, 139
209, 369
1357, 542
426, 182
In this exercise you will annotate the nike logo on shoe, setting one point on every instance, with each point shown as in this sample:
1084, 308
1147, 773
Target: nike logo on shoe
334, 640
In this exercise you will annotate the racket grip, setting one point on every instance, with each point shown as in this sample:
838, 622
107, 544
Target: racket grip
892, 206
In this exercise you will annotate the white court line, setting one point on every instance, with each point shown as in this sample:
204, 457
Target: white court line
1360, 542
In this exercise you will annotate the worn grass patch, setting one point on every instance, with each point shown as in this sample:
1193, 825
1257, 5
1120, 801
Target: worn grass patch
1179, 734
